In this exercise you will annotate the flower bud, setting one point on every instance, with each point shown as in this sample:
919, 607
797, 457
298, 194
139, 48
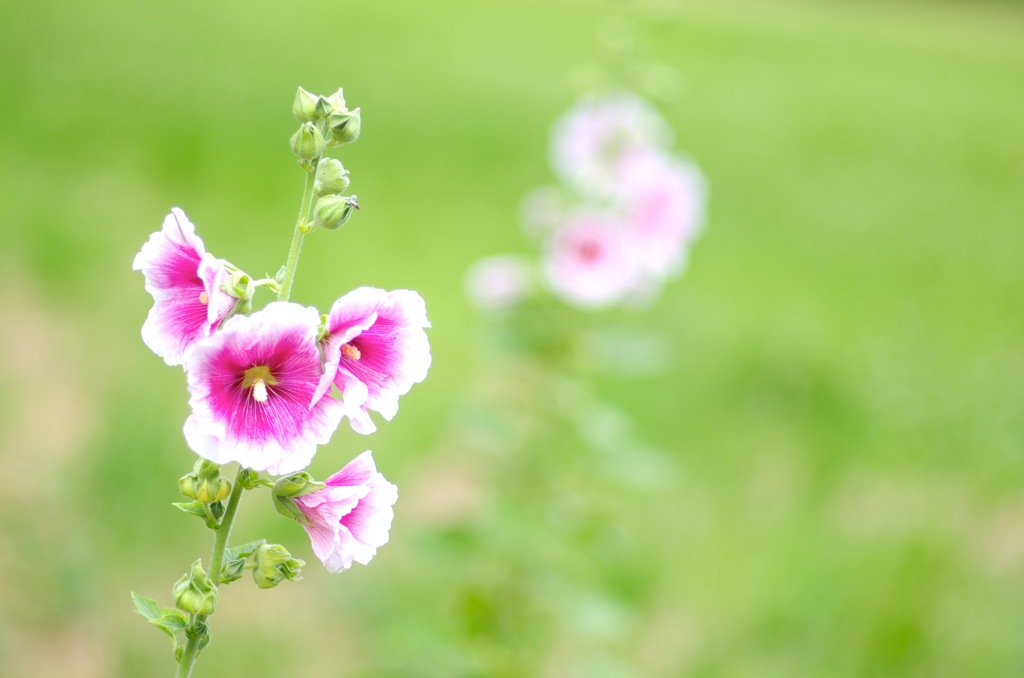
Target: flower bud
296, 485
331, 178
304, 106
274, 564
324, 107
307, 144
344, 127
337, 100
194, 593
332, 211
205, 483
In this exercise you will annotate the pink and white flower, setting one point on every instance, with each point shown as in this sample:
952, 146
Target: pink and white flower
185, 282
587, 263
374, 351
254, 391
591, 139
661, 199
351, 517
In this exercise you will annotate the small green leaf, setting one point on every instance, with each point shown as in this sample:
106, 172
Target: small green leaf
147, 607
243, 551
197, 509
168, 619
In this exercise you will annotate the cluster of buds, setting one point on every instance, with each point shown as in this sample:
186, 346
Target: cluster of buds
325, 122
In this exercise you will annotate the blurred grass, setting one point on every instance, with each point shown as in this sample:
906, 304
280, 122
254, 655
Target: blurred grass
842, 410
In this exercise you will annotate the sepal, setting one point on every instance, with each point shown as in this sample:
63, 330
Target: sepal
235, 560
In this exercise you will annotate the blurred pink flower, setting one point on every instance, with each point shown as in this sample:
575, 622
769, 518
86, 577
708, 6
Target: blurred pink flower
253, 386
188, 302
586, 262
375, 350
661, 199
499, 282
591, 139
351, 517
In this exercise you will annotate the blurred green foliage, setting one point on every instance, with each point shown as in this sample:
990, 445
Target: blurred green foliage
839, 487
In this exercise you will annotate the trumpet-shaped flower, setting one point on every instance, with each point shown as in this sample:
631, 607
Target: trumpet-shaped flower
587, 263
591, 139
254, 391
375, 349
350, 518
185, 281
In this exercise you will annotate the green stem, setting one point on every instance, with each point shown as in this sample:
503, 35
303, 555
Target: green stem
300, 226
220, 542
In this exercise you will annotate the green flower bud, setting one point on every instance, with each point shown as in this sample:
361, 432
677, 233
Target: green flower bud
304, 106
332, 211
209, 491
337, 100
195, 593
331, 178
307, 144
296, 485
344, 127
274, 564
324, 107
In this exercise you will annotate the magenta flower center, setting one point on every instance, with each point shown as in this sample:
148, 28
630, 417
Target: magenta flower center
258, 378
350, 352
204, 298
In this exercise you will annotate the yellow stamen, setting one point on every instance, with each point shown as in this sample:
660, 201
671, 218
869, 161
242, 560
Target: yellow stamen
350, 352
204, 298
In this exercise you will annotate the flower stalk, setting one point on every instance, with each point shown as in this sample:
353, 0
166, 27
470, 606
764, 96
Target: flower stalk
197, 623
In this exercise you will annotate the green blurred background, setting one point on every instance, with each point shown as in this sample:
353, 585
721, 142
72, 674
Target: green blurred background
841, 416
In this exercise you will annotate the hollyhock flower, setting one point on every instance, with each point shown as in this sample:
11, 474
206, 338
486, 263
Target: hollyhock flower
351, 517
253, 386
498, 282
374, 351
587, 263
662, 200
589, 141
185, 282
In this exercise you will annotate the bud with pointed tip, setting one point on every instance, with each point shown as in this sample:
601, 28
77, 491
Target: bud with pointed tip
332, 211
337, 100
307, 144
344, 127
274, 564
205, 483
194, 592
331, 178
304, 106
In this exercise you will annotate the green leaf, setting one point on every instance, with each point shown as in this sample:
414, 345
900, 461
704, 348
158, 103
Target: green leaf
167, 619
243, 551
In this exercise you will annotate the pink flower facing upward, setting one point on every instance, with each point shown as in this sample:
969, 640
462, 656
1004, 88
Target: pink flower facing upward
254, 391
374, 351
351, 517
184, 280
586, 262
